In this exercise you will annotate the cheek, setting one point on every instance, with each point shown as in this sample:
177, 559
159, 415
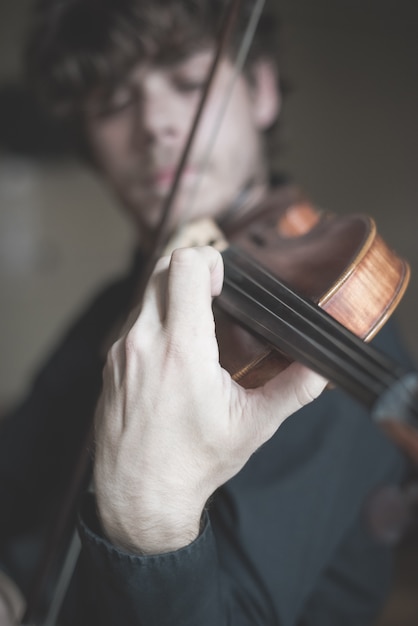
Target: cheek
237, 147
110, 146
238, 136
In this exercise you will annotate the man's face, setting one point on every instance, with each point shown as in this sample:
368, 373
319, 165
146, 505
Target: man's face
138, 134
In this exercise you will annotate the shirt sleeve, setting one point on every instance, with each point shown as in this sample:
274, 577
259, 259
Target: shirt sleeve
180, 587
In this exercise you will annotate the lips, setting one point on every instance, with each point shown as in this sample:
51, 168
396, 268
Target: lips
164, 177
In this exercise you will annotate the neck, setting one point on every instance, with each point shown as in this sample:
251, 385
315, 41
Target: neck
245, 201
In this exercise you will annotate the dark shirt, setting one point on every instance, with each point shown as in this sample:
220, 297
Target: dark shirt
284, 542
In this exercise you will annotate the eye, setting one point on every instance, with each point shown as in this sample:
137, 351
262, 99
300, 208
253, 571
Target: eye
189, 75
189, 84
116, 102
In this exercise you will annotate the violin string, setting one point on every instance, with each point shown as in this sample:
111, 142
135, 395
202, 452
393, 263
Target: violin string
322, 359
337, 355
337, 332
312, 353
363, 369
162, 229
238, 66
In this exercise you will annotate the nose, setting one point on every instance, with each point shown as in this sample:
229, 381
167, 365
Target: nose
164, 119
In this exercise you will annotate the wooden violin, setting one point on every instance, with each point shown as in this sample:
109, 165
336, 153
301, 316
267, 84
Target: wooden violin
311, 286
321, 285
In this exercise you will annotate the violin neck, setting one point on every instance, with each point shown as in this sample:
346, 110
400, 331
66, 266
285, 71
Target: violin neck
303, 331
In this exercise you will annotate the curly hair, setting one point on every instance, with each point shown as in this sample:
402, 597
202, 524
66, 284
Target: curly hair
76, 46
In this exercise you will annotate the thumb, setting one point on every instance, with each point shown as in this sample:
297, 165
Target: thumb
283, 395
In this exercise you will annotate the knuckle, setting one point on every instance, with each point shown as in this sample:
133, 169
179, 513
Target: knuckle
136, 347
113, 354
185, 257
127, 348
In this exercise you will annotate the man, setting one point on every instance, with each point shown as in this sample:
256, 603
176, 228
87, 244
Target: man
203, 514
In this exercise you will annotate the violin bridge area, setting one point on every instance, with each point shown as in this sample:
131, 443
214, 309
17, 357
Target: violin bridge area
347, 137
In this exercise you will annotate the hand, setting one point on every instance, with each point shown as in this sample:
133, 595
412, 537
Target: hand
172, 426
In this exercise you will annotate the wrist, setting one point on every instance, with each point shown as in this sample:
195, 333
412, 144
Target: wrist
146, 529
157, 537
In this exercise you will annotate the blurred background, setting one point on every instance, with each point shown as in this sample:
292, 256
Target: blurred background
349, 138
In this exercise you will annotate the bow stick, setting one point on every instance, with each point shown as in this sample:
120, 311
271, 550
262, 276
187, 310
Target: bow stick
82, 466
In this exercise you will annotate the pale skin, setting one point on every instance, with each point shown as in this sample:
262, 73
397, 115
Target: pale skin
138, 134
171, 424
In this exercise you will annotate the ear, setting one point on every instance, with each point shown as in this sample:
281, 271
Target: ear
265, 93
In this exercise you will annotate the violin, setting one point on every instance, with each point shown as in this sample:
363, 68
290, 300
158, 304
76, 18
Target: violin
307, 285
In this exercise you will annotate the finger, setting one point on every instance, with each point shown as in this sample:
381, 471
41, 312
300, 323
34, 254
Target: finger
195, 276
149, 314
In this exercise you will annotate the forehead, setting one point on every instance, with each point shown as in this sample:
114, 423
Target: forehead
195, 66
198, 60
